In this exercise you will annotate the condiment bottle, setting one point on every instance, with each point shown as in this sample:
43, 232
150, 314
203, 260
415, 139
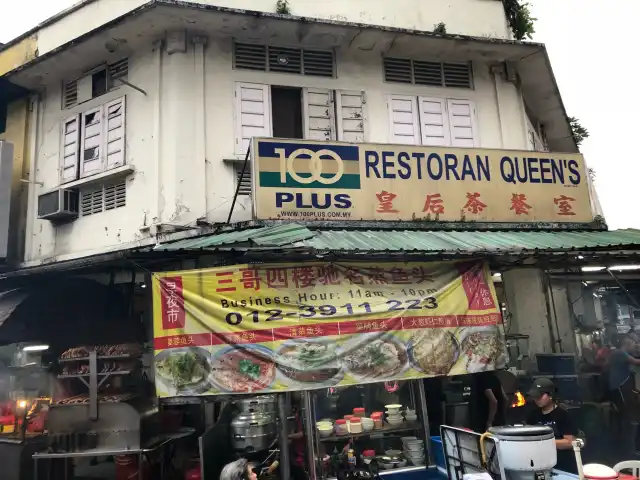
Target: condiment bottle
351, 458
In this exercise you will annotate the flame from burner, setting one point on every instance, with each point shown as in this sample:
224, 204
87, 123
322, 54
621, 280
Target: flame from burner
518, 400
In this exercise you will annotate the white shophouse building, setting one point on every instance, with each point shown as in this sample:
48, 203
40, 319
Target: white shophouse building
141, 110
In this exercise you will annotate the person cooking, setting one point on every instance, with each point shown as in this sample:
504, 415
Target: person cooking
622, 391
549, 413
489, 402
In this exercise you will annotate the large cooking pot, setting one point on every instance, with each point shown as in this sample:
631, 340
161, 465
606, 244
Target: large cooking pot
525, 448
253, 432
260, 404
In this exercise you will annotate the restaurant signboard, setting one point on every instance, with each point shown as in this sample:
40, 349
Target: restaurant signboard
284, 327
303, 180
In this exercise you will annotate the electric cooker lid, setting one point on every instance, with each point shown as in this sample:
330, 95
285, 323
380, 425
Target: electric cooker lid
521, 431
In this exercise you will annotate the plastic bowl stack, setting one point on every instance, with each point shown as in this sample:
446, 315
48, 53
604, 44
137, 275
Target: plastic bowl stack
394, 416
411, 415
325, 429
414, 450
367, 424
341, 427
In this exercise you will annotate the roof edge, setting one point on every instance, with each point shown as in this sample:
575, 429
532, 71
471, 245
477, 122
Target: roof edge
244, 12
49, 21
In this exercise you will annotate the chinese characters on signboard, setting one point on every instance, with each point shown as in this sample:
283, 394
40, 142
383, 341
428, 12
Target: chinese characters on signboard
271, 311
336, 181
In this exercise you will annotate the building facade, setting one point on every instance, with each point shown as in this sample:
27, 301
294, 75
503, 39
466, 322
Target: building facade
149, 127
132, 118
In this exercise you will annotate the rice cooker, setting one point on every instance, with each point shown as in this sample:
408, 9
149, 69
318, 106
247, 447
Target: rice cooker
525, 452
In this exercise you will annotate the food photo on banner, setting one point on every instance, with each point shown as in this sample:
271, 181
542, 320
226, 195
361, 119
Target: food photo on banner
297, 326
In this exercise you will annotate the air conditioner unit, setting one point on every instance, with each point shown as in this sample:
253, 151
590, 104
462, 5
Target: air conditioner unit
58, 205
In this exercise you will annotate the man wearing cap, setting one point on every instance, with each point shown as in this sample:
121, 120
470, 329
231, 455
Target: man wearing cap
549, 413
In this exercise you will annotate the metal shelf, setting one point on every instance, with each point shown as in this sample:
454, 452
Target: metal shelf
124, 356
103, 374
385, 429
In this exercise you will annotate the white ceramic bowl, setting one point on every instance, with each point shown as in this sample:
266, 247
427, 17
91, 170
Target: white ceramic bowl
414, 446
393, 453
395, 422
393, 408
324, 423
413, 453
325, 431
367, 424
408, 439
417, 462
411, 418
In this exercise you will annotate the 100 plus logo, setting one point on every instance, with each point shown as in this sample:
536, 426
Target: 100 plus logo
311, 168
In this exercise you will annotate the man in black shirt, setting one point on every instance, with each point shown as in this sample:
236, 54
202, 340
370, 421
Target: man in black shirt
488, 402
549, 413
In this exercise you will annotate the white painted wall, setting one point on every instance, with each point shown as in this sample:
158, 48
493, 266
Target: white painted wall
180, 172
468, 17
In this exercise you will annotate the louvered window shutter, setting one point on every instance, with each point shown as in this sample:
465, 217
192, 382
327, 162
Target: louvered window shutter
115, 126
351, 120
462, 122
253, 114
70, 149
403, 119
91, 150
319, 123
434, 124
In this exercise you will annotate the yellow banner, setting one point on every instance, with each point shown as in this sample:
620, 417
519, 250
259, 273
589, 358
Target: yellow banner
279, 327
317, 181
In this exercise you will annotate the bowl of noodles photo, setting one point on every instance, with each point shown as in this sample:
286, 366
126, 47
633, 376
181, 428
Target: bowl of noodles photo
309, 362
482, 349
374, 357
433, 351
185, 370
243, 369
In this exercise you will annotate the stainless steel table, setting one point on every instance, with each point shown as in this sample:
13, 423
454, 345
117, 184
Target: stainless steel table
153, 444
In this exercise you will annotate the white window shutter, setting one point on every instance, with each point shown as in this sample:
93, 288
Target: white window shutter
462, 121
350, 113
434, 124
91, 143
253, 114
85, 88
403, 119
70, 149
318, 109
115, 133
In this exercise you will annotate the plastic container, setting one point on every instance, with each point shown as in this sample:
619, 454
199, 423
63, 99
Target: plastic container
341, 427
355, 425
377, 420
358, 412
438, 451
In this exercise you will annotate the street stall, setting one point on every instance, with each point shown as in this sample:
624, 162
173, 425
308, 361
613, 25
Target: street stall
354, 339
73, 385
26, 395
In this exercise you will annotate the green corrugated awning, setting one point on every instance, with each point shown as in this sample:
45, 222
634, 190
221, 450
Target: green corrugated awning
293, 236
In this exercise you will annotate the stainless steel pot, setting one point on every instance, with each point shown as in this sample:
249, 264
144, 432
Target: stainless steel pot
253, 432
260, 404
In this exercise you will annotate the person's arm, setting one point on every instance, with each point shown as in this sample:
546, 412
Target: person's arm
632, 360
567, 429
493, 406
